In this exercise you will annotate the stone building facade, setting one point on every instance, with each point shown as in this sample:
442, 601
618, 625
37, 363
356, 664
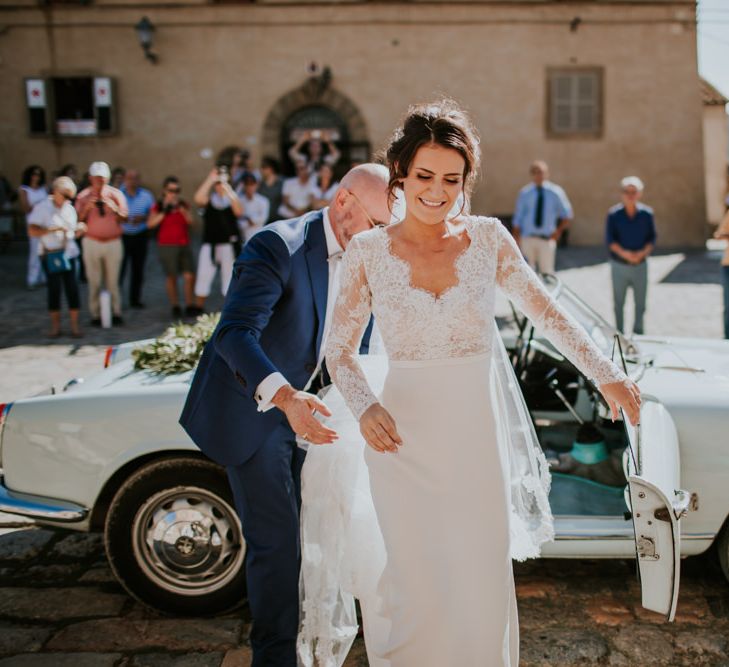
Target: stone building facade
599, 89
716, 155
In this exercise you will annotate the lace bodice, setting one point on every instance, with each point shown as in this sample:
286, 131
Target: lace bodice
416, 324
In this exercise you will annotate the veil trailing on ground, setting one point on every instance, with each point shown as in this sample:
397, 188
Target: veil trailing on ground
342, 551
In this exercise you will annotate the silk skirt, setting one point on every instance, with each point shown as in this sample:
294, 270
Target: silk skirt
446, 595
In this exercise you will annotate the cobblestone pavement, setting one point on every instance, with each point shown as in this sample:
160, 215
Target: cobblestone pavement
60, 605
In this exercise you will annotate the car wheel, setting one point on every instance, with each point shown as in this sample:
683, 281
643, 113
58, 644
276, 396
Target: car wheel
722, 546
173, 538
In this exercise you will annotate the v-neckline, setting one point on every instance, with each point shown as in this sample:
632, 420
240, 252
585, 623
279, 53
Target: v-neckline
409, 269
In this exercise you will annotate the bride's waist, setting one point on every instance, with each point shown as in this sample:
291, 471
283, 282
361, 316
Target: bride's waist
482, 357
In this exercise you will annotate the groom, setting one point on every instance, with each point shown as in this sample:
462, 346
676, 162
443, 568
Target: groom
254, 390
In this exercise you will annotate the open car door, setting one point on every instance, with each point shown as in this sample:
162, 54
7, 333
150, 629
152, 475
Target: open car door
657, 504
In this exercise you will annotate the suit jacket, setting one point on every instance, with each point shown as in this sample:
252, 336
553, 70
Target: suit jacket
272, 320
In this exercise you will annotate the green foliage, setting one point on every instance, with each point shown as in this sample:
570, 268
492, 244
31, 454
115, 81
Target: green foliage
178, 349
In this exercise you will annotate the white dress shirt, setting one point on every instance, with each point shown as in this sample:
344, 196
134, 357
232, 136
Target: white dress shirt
255, 214
46, 214
299, 196
268, 387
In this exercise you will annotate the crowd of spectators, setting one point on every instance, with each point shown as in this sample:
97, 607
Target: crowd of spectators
96, 229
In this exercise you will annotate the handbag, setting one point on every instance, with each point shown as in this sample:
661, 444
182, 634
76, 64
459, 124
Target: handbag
57, 262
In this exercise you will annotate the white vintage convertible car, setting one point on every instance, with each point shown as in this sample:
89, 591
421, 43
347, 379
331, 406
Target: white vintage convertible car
108, 454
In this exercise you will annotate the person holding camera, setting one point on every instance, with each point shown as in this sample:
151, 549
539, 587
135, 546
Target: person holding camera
171, 217
221, 238
103, 209
309, 148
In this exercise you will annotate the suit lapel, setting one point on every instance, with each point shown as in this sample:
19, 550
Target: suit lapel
316, 261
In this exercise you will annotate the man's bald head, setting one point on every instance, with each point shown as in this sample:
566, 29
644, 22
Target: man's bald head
368, 175
539, 171
360, 202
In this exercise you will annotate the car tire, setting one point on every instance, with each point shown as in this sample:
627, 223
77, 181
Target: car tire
173, 538
722, 547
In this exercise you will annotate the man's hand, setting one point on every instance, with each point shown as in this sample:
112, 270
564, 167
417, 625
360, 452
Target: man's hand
299, 408
378, 429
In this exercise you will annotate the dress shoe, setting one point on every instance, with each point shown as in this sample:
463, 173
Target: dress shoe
96, 322
117, 320
176, 311
138, 305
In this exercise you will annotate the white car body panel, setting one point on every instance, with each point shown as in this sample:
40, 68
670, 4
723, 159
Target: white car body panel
67, 446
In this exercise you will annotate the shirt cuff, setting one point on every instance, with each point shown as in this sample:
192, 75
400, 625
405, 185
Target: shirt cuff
267, 390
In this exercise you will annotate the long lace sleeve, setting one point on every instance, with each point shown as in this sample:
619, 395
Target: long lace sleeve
349, 320
520, 284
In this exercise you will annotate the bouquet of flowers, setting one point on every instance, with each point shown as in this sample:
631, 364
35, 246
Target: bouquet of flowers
178, 349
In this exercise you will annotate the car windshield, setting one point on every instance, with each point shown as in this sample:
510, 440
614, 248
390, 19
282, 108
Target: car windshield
600, 331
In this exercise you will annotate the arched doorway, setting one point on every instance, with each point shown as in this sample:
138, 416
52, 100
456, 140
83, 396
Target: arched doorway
316, 107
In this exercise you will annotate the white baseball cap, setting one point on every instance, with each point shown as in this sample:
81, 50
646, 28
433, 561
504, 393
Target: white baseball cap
632, 181
100, 169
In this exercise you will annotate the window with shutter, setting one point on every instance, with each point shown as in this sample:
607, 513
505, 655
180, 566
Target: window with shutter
75, 106
574, 107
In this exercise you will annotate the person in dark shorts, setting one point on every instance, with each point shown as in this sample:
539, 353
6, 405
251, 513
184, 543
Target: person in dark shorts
171, 215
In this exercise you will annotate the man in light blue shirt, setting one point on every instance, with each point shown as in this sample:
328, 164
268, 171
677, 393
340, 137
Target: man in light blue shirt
542, 214
135, 235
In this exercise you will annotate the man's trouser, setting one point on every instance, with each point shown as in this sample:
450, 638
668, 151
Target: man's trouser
540, 253
624, 276
135, 255
102, 260
267, 492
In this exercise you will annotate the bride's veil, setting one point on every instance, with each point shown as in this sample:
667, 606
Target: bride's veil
342, 552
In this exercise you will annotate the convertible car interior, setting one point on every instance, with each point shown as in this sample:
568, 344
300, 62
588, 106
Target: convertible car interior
584, 448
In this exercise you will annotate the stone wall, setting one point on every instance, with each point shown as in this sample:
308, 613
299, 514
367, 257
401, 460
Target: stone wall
224, 69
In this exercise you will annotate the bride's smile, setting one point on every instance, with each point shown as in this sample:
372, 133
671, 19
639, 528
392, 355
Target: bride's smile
434, 183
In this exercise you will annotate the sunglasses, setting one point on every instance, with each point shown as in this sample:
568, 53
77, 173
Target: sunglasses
373, 223
173, 191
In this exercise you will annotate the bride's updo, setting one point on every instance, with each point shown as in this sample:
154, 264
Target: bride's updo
443, 123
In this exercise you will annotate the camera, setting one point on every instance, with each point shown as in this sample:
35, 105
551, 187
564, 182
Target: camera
169, 208
223, 173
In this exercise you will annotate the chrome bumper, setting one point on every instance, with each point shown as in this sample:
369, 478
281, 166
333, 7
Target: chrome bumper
36, 507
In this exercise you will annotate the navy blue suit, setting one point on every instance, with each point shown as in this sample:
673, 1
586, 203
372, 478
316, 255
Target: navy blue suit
273, 320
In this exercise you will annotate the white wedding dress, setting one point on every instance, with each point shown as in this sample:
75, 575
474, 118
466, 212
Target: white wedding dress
424, 537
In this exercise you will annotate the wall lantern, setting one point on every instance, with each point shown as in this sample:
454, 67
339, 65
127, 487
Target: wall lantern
145, 34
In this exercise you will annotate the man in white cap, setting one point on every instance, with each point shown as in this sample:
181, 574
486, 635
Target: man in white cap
103, 209
630, 235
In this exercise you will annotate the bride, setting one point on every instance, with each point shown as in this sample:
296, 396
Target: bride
455, 484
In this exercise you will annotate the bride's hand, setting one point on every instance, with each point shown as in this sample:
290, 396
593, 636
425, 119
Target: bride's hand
624, 395
378, 429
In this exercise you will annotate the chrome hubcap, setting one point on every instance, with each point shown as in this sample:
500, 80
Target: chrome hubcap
188, 541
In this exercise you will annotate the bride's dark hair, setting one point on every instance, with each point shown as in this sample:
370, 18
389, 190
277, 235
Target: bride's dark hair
443, 123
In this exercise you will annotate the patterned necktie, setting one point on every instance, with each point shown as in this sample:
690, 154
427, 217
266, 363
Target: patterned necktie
539, 214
